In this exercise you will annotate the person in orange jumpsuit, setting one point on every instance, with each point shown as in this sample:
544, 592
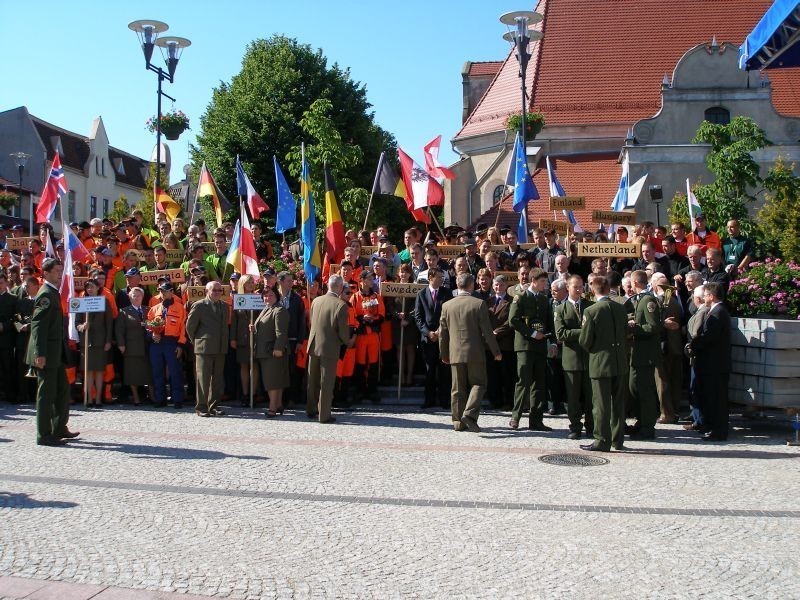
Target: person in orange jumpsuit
370, 314
347, 363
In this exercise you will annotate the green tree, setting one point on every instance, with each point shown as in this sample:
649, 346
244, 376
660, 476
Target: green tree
120, 210
779, 218
146, 204
266, 109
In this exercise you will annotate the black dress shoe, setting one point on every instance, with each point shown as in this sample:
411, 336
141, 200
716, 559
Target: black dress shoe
631, 429
643, 435
595, 447
539, 427
619, 447
427, 405
51, 441
70, 435
215, 412
712, 437
328, 421
574, 435
201, 413
312, 415
159, 404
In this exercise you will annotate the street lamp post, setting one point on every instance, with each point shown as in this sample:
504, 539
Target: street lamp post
172, 47
519, 34
21, 159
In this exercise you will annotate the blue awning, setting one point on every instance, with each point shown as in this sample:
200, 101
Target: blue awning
773, 42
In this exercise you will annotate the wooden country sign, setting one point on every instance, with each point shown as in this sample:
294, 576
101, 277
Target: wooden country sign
529, 245
609, 250
367, 251
498, 249
173, 255
512, 278
450, 251
209, 248
17, 244
151, 277
194, 293
612, 216
401, 290
79, 283
560, 227
567, 202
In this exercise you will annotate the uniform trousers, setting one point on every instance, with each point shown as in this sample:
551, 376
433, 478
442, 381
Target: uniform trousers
644, 397
52, 402
321, 381
531, 388
608, 409
210, 370
467, 390
579, 401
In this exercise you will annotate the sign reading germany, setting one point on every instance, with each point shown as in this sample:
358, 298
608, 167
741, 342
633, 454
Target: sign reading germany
401, 290
567, 202
612, 216
609, 250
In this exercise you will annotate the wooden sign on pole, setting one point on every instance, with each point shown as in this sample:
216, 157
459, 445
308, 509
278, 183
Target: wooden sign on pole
512, 277
560, 227
613, 217
609, 250
18, 244
567, 202
401, 290
174, 275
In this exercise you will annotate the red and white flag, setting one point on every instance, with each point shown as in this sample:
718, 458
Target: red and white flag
422, 190
432, 164
54, 188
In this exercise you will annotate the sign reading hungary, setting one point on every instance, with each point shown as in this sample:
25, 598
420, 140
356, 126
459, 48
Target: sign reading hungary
611, 217
609, 250
560, 227
567, 202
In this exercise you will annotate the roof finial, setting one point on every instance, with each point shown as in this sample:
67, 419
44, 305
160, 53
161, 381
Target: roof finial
665, 81
714, 43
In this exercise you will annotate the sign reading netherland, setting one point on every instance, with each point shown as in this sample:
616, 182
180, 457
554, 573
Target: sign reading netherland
401, 290
567, 202
248, 302
612, 216
609, 250
87, 304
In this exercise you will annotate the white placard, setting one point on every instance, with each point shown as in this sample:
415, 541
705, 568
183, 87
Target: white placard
87, 304
248, 302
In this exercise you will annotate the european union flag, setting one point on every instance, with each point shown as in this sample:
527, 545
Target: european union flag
287, 205
524, 188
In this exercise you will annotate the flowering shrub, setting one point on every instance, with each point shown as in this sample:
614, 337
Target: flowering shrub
295, 267
534, 121
771, 287
7, 199
175, 119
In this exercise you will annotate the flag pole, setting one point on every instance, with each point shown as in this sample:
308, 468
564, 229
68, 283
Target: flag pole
435, 220
402, 352
252, 402
374, 185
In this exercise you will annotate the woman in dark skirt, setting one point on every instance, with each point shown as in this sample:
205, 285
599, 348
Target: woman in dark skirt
271, 339
132, 344
403, 320
96, 351
240, 340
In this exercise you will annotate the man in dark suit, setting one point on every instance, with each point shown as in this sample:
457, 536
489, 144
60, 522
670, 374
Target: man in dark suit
603, 331
501, 375
207, 330
46, 352
574, 359
293, 303
465, 334
428, 312
329, 331
711, 348
8, 308
532, 319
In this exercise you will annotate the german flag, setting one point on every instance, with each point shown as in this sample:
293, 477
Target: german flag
166, 204
335, 241
206, 186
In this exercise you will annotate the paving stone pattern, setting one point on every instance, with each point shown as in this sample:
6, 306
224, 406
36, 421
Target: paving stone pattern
389, 503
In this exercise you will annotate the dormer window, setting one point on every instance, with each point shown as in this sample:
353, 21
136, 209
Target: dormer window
718, 115
119, 166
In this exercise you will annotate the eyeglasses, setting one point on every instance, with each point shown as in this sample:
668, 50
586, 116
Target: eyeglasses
216, 290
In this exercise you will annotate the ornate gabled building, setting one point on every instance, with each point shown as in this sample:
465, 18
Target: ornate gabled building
619, 81
96, 172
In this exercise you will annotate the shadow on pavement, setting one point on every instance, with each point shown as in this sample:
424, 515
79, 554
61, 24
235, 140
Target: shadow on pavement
162, 452
17, 500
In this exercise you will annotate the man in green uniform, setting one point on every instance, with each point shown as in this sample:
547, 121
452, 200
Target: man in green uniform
645, 325
602, 335
46, 354
532, 319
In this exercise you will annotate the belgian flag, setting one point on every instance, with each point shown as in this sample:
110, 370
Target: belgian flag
335, 240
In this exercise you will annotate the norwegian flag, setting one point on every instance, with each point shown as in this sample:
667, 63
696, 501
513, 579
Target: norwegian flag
54, 188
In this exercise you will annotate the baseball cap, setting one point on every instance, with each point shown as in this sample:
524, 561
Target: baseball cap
132, 272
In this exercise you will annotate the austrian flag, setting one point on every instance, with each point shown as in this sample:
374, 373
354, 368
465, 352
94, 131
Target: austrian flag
422, 190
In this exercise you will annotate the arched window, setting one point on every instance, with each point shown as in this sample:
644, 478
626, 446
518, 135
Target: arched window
718, 115
498, 193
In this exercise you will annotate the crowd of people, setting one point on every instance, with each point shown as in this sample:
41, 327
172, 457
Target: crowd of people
535, 329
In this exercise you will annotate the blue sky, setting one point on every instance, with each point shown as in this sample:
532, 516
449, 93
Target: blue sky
71, 61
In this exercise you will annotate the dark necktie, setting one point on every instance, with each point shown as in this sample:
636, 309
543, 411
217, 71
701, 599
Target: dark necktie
578, 308
497, 301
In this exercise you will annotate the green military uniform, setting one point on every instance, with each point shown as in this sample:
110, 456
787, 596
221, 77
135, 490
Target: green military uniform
575, 362
646, 355
530, 312
47, 340
603, 337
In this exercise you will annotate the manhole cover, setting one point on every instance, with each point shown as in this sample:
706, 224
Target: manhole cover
573, 460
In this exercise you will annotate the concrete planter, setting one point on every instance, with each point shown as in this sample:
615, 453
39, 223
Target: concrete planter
765, 362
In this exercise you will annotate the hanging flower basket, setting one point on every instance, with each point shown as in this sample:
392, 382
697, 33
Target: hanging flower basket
173, 124
534, 121
7, 199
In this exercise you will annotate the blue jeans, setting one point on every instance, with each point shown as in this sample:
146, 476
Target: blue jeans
162, 356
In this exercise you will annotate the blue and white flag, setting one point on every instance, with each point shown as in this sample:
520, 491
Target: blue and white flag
557, 190
524, 188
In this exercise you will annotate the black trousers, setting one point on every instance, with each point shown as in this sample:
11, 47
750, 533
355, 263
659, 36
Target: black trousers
437, 375
502, 375
711, 390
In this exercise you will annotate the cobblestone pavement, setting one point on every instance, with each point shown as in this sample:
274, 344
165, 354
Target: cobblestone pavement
392, 503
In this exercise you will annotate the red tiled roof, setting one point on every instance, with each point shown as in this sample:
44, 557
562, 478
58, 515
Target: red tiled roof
595, 176
482, 69
603, 62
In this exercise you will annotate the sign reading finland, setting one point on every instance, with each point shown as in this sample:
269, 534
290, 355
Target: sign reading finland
87, 304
